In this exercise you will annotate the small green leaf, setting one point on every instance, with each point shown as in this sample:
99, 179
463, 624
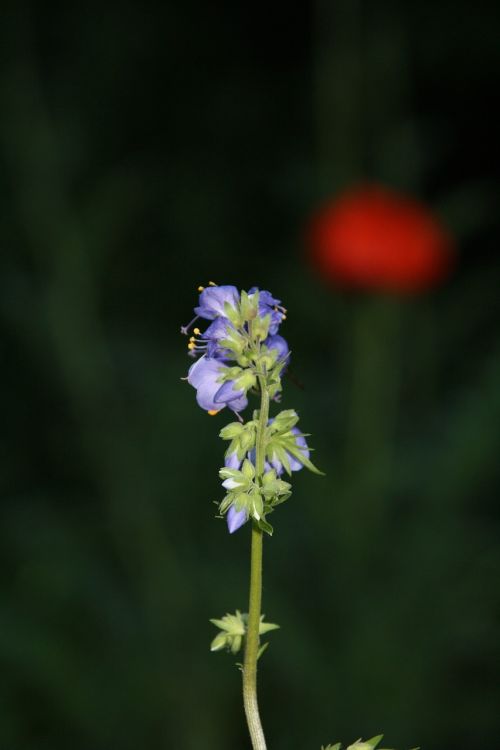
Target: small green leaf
281, 498
265, 526
375, 740
233, 315
297, 453
266, 627
262, 649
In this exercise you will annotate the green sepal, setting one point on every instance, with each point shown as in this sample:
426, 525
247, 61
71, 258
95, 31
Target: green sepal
231, 373
226, 473
281, 498
244, 360
296, 453
375, 740
242, 480
271, 485
249, 306
247, 440
226, 503
245, 380
219, 642
248, 470
274, 379
230, 431
232, 624
361, 744
265, 526
240, 501
284, 421
233, 315
236, 644
262, 649
281, 454
260, 328
257, 505
266, 627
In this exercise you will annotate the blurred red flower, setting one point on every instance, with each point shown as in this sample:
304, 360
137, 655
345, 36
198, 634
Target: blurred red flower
374, 238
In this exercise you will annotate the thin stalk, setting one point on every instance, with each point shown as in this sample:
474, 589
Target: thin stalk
254, 605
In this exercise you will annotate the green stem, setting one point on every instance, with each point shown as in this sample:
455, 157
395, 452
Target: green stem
254, 606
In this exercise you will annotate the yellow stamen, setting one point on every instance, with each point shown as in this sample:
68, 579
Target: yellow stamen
201, 288
196, 331
191, 345
283, 317
213, 412
212, 283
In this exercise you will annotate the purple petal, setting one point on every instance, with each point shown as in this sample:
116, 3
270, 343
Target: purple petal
218, 329
204, 368
232, 461
205, 397
212, 300
235, 519
238, 404
204, 375
295, 463
228, 393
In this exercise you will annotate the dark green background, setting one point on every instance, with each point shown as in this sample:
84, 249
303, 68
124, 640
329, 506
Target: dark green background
145, 149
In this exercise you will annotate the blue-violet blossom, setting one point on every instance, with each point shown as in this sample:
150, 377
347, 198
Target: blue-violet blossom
212, 395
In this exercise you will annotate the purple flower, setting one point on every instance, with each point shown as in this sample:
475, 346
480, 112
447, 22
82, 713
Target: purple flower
212, 395
270, 305
212, 301
235, 519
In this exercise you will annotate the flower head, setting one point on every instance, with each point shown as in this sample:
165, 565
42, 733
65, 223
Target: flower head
239, 344
374, 238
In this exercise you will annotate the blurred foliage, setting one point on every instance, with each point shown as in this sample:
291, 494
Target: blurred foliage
146, 149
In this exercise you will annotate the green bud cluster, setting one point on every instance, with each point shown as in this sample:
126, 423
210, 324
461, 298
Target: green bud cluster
232, 630
245, 493
281, 442
241, 437
259, 497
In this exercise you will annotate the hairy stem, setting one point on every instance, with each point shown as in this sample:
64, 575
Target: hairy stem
254, 606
